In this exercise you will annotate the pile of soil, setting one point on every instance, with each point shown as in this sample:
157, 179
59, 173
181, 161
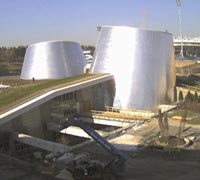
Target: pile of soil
171, 142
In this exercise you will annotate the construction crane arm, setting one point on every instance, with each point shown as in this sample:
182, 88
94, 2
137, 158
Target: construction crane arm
116, 165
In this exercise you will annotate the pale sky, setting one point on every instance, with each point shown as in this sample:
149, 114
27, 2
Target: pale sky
24, 22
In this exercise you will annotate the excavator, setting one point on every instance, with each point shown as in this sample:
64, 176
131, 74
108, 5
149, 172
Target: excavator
92, 169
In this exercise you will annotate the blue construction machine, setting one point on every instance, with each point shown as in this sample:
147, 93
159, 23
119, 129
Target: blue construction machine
93, 169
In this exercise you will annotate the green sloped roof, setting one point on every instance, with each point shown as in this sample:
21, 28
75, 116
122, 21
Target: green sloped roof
15, 95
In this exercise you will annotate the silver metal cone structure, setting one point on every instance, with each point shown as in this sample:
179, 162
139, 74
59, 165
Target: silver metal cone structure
142, 63
53, 60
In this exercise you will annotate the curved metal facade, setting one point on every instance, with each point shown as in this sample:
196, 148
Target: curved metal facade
53, 60
142, 63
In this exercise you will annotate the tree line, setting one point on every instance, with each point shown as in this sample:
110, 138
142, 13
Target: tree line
190, 97
191, 100
16, 54
12, 53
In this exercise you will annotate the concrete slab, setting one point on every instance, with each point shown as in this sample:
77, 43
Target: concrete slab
42, 144
72, 130
111, 122
126, 142
76, 131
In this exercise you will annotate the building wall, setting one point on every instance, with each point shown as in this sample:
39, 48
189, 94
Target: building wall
53, 60
142, 62
34, 122
81, 101
6, 127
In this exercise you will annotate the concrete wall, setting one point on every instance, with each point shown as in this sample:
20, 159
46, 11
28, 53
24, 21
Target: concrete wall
7, 127
32, 122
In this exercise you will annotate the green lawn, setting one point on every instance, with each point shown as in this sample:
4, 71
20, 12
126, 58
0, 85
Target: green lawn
15, 95
180, 112
195, 121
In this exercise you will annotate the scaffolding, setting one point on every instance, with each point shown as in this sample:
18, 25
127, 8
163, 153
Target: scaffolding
119, 114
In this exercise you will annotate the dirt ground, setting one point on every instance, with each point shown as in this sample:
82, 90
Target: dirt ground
153, 165
144, 165
144, 162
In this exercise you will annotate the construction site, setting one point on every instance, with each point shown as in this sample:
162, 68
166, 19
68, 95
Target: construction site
121, 118
151, 144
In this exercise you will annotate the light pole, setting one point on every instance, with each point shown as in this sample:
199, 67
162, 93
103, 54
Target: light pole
178, 2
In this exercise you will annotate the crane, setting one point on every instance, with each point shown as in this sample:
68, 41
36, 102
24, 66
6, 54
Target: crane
116, 167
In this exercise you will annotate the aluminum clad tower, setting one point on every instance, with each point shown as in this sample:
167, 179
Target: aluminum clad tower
142, 62
53, 60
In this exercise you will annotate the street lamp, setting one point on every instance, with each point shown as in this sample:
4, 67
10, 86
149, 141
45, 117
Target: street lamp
178, 2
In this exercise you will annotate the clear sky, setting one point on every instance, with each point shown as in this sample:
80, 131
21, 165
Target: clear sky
23, 22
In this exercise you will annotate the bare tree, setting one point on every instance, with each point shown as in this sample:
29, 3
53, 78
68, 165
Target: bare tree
182, 124
164, 126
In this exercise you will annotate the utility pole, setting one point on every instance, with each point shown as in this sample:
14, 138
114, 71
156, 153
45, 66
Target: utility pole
178, 2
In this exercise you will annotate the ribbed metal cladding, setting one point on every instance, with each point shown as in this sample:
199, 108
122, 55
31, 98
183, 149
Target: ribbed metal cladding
53, 60
142, 62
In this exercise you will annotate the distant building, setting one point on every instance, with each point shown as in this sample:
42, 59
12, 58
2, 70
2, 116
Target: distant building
191, 46
53, 60
88, 59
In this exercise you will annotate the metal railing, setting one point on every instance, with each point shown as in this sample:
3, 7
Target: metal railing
122, 115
